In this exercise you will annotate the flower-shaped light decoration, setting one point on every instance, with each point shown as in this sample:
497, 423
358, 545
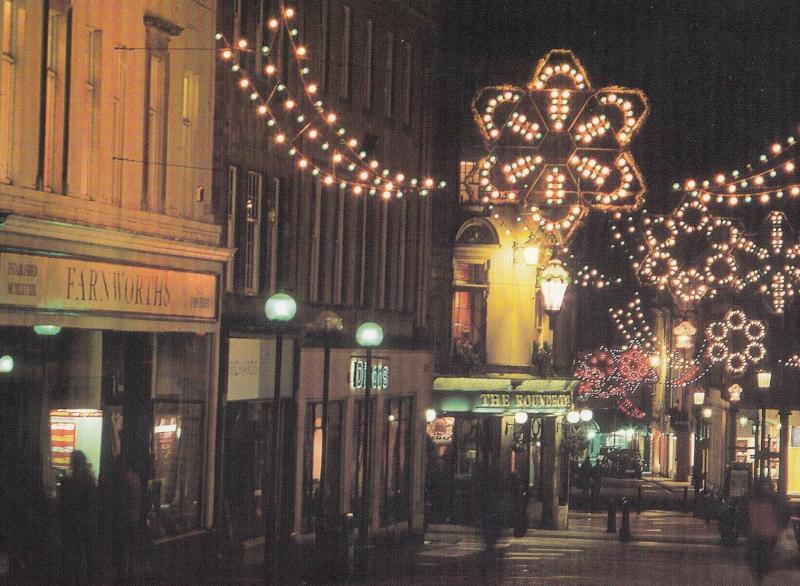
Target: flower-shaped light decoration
615, 374
559, 147
736, 341
774, 263
690, 252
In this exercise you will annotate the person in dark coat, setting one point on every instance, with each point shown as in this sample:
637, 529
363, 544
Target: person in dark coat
78, 520
767, 516
596, 483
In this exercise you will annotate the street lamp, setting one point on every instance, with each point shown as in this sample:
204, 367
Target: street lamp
531, 254
369, 335
554, 280
280, 309
47, 329
684, 335
430, 415
586, 415
520, 418
328, 323
699, 397
764, 381
6, 364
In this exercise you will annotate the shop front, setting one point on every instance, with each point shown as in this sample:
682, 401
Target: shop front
113, 354
494, 443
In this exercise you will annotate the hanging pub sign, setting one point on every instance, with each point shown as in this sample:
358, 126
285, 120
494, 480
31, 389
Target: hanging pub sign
440, 430
358, 374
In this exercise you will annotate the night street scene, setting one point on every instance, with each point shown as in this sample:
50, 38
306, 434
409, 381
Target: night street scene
400, 292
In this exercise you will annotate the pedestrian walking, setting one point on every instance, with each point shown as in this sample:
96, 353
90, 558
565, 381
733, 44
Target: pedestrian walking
766, 517
596, 484
78, 520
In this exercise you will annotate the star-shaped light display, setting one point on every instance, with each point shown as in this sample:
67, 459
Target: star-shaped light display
559, 147
774, 257
691, 253
736, 341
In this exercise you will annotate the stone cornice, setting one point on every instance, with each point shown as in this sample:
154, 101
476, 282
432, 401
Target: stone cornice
21, 201
112, 238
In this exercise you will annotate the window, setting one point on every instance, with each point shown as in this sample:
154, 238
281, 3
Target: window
368, 59
155, 170
329, 210
352, 257
325, 42
233, 197
252, 232
273, 228
358, 451
346, 56
398, 434
181, 381
312, 463
383, 253
120, 107
316, 227
388, 86
470, 286
407, 80
191, 90
8, 61
94, 52
469, 186
338, 261
56, 90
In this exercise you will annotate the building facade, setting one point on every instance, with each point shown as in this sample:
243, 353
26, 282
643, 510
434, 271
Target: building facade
111, 261
300, 227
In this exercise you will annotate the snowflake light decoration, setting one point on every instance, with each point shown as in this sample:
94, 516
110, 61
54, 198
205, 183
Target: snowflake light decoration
559, 148
691, 252
775, 260
736, 342
615, 374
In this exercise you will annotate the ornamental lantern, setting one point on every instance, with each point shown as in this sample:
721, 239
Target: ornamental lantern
554, 281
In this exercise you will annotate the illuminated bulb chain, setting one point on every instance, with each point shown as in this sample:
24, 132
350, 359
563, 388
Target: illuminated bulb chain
736, 341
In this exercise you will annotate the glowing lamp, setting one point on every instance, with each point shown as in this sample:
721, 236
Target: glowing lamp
47, 330
520, 417
654, 360
735, 393
430, 415
591, 434
586, 415
554, 281
573, 417
369, 335
743, 420
531, 254
280, 307
684, 335
699, 397
6, 364
763, 378
707, 413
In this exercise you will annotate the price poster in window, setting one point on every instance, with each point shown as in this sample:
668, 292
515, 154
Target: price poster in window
62, 443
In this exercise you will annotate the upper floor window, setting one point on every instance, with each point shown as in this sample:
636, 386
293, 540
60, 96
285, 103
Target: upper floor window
54, 94
157, 82
9, 17
388, 86
368, 64
470, 288
346, 53
252, 231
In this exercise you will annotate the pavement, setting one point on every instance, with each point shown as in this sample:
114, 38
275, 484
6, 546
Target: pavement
666, 548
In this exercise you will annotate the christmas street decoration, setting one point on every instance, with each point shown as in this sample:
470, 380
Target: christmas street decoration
736, 341
310, 131
559, 148
615, 374
774, 256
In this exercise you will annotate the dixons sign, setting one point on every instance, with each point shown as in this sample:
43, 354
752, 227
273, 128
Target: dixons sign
358, 373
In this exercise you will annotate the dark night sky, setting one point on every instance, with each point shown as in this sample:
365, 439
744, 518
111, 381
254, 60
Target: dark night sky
722, 76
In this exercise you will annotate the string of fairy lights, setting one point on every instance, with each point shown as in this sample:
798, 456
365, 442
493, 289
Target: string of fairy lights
318, 136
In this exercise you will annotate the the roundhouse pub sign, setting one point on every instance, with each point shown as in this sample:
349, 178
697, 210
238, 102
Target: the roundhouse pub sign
67, 284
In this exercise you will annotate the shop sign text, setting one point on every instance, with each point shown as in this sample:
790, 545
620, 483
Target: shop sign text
358, 374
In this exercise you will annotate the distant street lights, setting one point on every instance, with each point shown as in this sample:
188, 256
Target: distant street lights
369, 335
280, 309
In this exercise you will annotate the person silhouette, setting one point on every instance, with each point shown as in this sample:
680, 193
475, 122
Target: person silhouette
78, 520
767, 516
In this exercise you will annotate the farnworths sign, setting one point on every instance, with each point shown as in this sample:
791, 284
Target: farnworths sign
358, 373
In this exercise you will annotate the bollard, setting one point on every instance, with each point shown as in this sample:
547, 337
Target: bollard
639, 500
625, 527
612, 517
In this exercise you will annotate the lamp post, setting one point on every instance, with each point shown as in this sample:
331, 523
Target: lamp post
369, 335
734, 396
328, 324
764, 381
280, 309
699, 398
553, 282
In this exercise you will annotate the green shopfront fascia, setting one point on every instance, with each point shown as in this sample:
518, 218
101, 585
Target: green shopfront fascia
476, 437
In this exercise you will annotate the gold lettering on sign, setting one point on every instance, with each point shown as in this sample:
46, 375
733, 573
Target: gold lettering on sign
58, 283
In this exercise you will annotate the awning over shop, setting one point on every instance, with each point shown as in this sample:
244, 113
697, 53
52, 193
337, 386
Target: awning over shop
502, 395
